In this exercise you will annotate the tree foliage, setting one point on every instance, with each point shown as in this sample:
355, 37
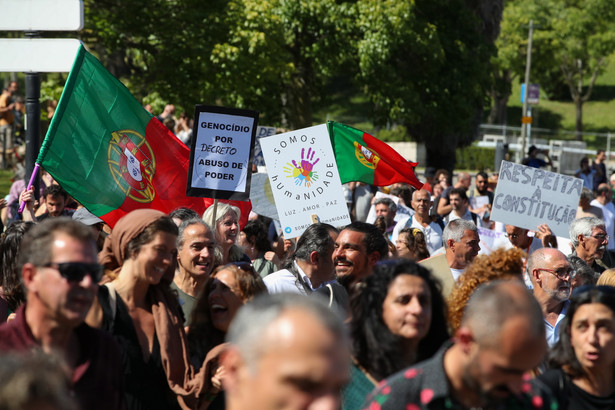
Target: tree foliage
580, 35
572, 41
426, 65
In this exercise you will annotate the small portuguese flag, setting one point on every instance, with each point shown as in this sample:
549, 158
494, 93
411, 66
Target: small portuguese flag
109, 153
362, 157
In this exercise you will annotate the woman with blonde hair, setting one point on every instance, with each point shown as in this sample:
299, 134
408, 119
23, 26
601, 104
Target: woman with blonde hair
499, 264
224, 219
607, 278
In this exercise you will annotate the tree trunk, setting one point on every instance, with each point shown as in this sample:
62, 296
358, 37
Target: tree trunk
578, 104
441, 155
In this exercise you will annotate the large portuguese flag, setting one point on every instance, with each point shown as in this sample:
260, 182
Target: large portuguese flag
110, 154
362, 157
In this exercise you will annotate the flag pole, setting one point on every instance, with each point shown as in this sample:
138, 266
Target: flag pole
37, 166
215, 205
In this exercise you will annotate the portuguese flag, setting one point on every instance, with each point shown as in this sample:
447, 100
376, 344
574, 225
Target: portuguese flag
362, 157
110, 154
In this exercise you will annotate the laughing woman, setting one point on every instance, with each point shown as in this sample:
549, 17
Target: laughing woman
142, 314
583, 360
226, 225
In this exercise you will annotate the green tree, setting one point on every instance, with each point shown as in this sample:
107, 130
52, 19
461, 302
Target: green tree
580, 34
426, 65
158, 47
279, 55
509, 62
572, 41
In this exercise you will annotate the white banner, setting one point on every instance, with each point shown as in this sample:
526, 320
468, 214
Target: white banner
304, 179
527, 197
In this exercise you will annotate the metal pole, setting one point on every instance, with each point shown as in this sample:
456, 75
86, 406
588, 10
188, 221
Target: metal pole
528, 64
33, 128
33, 115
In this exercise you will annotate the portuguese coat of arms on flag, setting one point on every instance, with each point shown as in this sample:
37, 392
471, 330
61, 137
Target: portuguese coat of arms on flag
110, 154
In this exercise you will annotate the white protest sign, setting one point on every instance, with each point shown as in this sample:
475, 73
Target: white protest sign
221, 153
527, 197
304, 179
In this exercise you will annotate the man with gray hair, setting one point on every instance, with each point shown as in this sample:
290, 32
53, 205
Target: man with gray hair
589, 240
386, 208
551, 276
285, 351
197, 254
311, 266
461, 244
501, 339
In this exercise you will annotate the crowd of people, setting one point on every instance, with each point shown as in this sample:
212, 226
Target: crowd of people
401, 309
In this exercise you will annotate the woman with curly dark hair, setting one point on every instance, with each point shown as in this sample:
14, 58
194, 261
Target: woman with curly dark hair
411, 244
11, 291
582, 362
398, 319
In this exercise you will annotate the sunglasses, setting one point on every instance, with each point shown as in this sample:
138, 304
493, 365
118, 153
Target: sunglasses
244, 266
76, 271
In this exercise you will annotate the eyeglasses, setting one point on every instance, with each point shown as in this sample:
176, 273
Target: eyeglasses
76, 271
601, 237
562, 273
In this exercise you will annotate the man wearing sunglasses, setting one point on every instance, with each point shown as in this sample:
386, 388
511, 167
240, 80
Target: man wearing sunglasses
59, 268
551, 276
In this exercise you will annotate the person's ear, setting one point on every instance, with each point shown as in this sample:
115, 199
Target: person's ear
465, 339
314, 258
451, 244
234, 365
536, 275
28, 272
373, 258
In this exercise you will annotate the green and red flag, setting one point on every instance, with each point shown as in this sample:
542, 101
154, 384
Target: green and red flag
362, 157
110, 154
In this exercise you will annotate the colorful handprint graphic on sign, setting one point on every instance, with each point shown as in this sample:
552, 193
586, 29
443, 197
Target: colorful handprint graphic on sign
303, 173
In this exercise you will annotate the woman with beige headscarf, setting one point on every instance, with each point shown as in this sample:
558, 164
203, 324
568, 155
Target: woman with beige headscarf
144, 317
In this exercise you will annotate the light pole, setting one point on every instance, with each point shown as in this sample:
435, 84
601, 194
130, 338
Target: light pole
528, 65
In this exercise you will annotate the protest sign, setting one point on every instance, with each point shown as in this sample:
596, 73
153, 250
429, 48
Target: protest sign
261, 132
262, 197
304, 179
527, 197
439, 268
222, 152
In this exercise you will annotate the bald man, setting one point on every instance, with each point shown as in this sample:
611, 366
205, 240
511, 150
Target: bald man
421, 203
551, 276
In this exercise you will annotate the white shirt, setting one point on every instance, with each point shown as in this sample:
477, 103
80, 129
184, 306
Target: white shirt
553, 331
283, 281
467, 216
608, 211
457, 273
432, 232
